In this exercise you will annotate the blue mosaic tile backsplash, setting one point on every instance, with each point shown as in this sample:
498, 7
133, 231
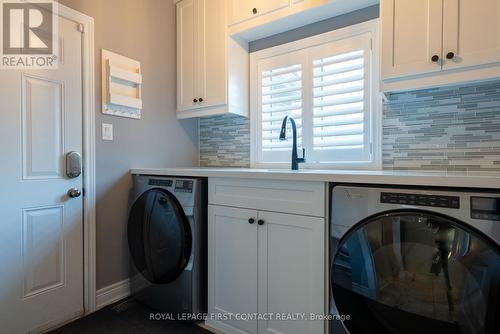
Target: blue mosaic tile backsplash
448, 128
225, 141
440, 129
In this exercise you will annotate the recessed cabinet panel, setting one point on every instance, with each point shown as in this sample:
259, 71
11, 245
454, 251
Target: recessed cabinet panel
232, 267
291, 271
186, 55
471, 32
240, 11
412, 33
212, 85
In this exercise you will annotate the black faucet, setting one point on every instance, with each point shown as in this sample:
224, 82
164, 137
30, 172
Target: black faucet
295, 159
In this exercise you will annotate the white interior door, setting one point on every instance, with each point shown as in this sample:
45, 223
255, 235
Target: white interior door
41, 238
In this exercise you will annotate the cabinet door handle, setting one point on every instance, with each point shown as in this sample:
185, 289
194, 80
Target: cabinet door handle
200, 99
254, 10
195, 100
435, 58
260, 222
450, 55
251, 220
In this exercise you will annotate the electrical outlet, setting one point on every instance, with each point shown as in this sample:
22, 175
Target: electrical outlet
107, 131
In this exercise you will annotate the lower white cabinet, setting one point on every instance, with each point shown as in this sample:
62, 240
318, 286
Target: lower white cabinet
262, 262
232, 267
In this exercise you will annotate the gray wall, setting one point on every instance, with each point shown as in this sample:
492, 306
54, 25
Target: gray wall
143, 30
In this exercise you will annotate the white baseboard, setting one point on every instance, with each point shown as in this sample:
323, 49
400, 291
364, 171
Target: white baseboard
112, 293
119, 290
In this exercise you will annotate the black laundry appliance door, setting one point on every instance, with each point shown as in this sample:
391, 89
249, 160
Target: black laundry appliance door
159, 236
409, 272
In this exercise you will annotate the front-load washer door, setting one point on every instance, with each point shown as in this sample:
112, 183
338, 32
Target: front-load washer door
159, 236
416, 272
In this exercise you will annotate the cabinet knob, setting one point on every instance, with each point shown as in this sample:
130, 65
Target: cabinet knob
200, 99
260, 222
195, 100
435, 58
254, 10
251, 220
450, 55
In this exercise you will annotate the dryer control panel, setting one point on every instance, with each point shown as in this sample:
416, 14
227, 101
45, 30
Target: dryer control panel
485, 208
438, 201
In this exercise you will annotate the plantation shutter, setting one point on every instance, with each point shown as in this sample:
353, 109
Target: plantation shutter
281, 94
341, 101
327, 89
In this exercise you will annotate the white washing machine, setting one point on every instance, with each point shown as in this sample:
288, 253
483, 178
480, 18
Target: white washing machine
408, 261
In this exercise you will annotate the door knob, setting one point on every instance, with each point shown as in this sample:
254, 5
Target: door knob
195, 100
251, 220
450, 55
254, 10
74, 193
435, 58
200, 99
260, 222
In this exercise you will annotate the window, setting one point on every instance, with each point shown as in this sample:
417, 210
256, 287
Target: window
327, 83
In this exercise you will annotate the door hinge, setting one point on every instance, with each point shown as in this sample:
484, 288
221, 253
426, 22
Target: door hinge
80, 27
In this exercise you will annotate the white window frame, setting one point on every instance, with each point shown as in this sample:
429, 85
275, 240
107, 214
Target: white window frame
368, 28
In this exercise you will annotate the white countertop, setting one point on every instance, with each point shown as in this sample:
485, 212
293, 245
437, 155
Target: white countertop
439, 179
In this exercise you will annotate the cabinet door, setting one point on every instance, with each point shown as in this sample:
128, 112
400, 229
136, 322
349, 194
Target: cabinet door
471, 31
212, 53
186, 12
240, 11
411, 36
291, 271
232, 267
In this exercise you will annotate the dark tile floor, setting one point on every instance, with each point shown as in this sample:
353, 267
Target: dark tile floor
126, 317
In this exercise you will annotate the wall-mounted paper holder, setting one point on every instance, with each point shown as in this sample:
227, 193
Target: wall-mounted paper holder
121, 85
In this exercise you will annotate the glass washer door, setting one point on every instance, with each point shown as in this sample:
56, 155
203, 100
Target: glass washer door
159, 236
416, 272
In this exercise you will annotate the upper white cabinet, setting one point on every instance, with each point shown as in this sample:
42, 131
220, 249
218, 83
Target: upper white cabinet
240, 11
255, 19
414, 39
434, 42
186, 58
471, 32
212, 69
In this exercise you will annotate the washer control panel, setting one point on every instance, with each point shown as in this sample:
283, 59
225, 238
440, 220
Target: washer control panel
160, 182
183, 186
438, 201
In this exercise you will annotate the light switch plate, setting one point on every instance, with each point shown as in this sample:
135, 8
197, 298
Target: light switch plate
107, 131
